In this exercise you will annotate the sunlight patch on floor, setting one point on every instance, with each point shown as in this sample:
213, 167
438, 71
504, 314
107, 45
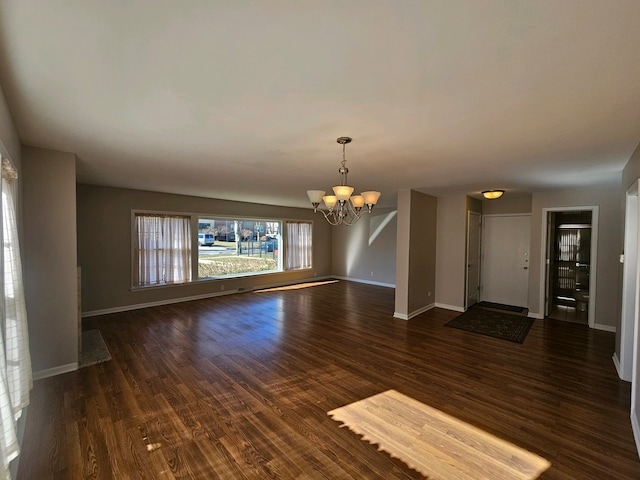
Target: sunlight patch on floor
297, 286
436, 444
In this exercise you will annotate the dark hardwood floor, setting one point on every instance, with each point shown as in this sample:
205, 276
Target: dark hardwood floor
239, 387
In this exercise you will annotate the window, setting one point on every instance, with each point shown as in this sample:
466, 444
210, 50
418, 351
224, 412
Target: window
299, 246
15, 359
233, 247
165, 246
162, 250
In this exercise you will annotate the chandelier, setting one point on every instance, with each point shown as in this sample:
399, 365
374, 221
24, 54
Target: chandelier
343, 208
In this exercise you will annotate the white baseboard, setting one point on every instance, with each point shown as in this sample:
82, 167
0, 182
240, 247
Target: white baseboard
616, 363
449, 307
604, 328
51, 372
138, 306
368, 282
536, 315
415, 313
426, 308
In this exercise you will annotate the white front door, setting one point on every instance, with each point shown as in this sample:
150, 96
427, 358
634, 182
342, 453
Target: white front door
505, 262
473, 259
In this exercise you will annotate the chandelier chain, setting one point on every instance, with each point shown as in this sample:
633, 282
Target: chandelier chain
344, 156
343, 170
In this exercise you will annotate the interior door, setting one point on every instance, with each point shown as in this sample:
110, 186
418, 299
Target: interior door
505, 262
473, 259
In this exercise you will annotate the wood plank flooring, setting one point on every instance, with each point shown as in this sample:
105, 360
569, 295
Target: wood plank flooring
239, 387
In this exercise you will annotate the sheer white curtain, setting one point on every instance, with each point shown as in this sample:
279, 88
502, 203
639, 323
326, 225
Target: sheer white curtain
15, 360
162, 250
299, 245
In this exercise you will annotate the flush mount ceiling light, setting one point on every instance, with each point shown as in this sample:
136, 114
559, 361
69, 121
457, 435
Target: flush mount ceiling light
343, 208
492, 194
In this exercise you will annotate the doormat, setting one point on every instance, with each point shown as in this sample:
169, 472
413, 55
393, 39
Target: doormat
503, 308
94, 350
435, 444
505, 326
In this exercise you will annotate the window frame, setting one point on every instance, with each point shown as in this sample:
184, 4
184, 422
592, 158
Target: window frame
285, 257
134, 247
239, 218
194, 220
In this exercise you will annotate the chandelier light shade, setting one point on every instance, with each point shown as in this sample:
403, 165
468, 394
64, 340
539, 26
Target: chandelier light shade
492, 194
371, 198
357, 201
343, 208
330, 201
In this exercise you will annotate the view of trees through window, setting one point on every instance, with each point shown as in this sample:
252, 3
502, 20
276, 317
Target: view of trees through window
228, 247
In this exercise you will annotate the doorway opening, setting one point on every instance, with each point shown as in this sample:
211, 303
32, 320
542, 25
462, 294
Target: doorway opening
569, 265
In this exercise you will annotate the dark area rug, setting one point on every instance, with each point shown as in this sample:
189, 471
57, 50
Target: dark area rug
503, 308
506, 326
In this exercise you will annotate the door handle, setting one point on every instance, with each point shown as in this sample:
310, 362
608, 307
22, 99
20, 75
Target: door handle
526, 268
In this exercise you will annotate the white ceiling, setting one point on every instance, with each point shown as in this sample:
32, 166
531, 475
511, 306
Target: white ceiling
244, 99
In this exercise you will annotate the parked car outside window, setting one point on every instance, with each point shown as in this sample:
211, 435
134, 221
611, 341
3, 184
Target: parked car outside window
205, 239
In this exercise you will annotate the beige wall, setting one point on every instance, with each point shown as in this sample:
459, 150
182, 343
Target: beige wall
422, 255
451, 271
451, 248
104, 246
416, 253
474, 205
366, 251
610, 243
50, 261
403, 245
507, 204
